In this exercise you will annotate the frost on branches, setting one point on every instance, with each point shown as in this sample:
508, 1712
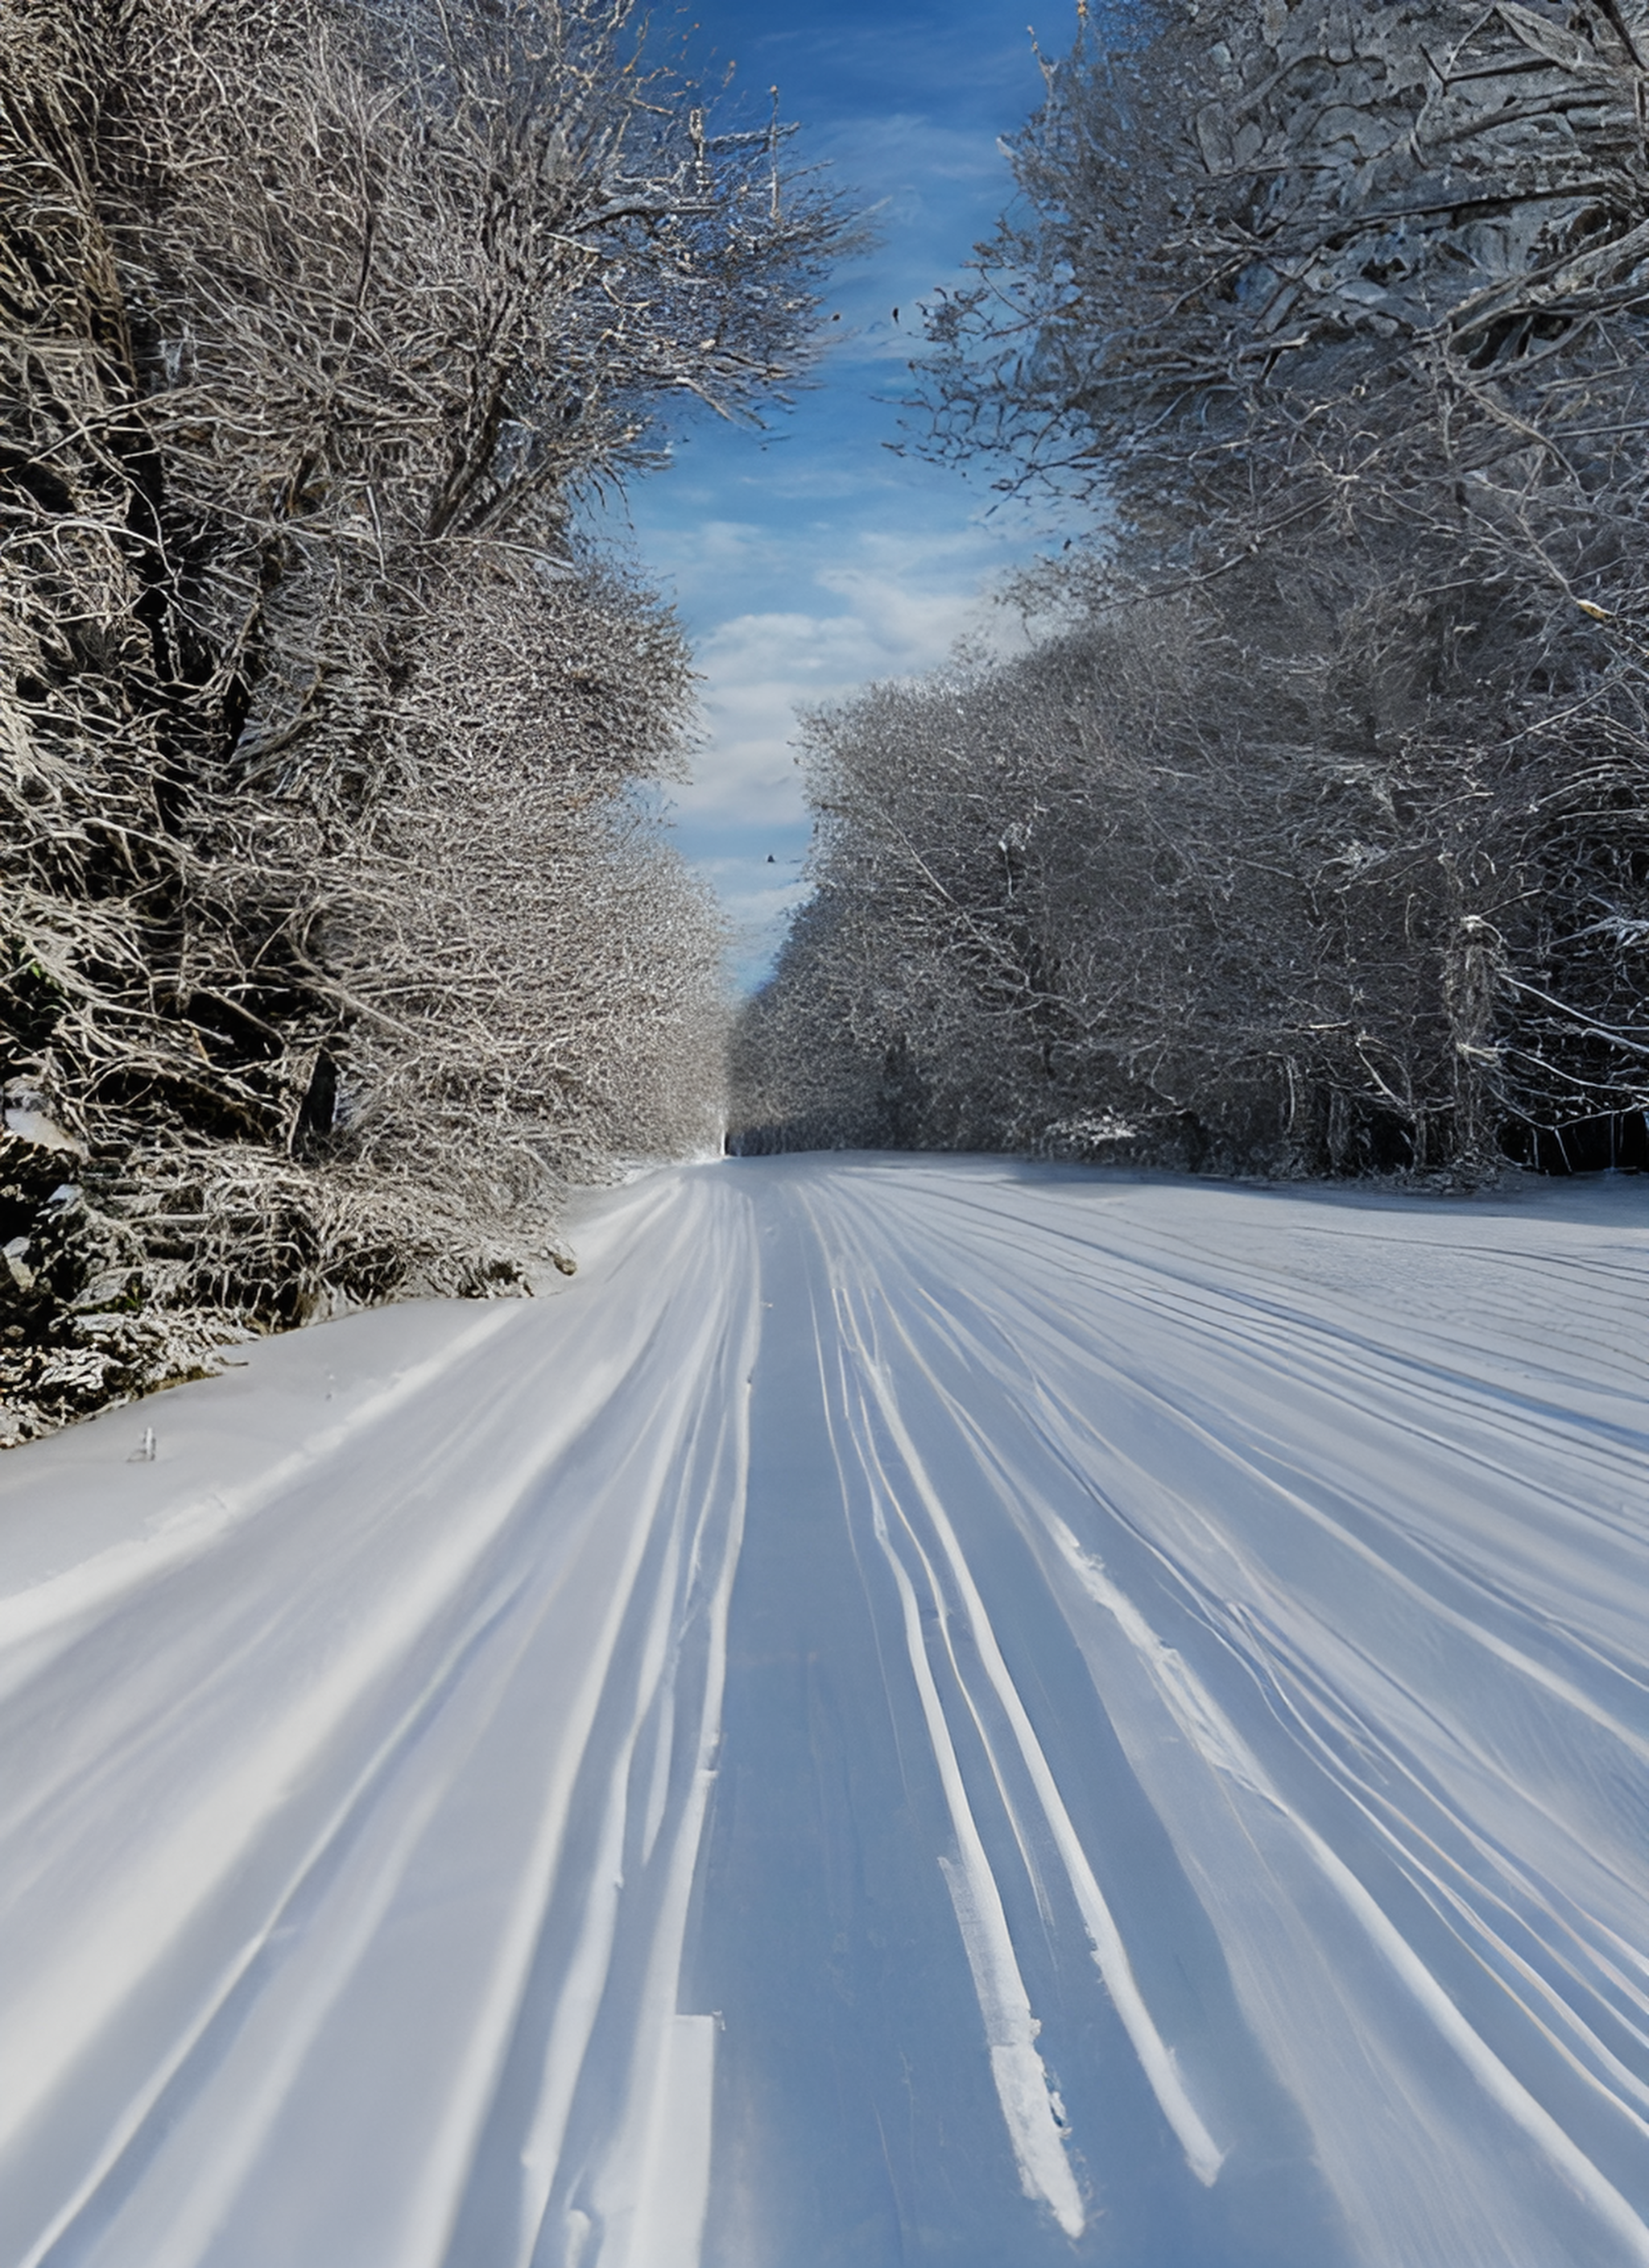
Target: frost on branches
1315, 834
332, 938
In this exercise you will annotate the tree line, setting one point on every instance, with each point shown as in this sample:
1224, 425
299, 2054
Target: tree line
1312, 832
334, 936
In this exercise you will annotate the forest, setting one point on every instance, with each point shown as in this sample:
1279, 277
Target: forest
338, 934
1310, 835
1305, 832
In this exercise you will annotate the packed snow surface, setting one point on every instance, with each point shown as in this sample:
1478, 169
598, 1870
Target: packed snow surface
921, 1711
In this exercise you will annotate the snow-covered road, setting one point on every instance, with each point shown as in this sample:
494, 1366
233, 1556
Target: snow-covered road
923, 1712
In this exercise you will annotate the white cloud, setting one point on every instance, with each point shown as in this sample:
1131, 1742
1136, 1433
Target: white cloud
814, 558
902, 605
759, 891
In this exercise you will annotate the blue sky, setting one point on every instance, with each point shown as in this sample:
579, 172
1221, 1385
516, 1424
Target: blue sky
810, 560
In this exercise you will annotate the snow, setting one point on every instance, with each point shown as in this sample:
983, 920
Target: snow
917, 1711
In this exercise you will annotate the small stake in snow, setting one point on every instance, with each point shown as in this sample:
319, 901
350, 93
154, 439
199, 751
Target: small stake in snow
144, 1452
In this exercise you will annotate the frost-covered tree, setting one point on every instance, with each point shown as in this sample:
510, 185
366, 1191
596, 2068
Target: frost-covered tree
333, 937
1335, 316
1104, 897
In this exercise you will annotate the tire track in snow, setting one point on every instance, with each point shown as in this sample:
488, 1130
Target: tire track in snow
1210, 1731
195, 2171
1127, 1537
1294, 1354
1031, 2111
936, 1299
37, 1621
160, 1894
653, 2188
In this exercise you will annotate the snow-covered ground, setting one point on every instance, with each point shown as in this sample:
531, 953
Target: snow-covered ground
919, 1711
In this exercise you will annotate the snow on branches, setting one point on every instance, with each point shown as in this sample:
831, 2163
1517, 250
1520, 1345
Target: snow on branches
329, 933
1329, 798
